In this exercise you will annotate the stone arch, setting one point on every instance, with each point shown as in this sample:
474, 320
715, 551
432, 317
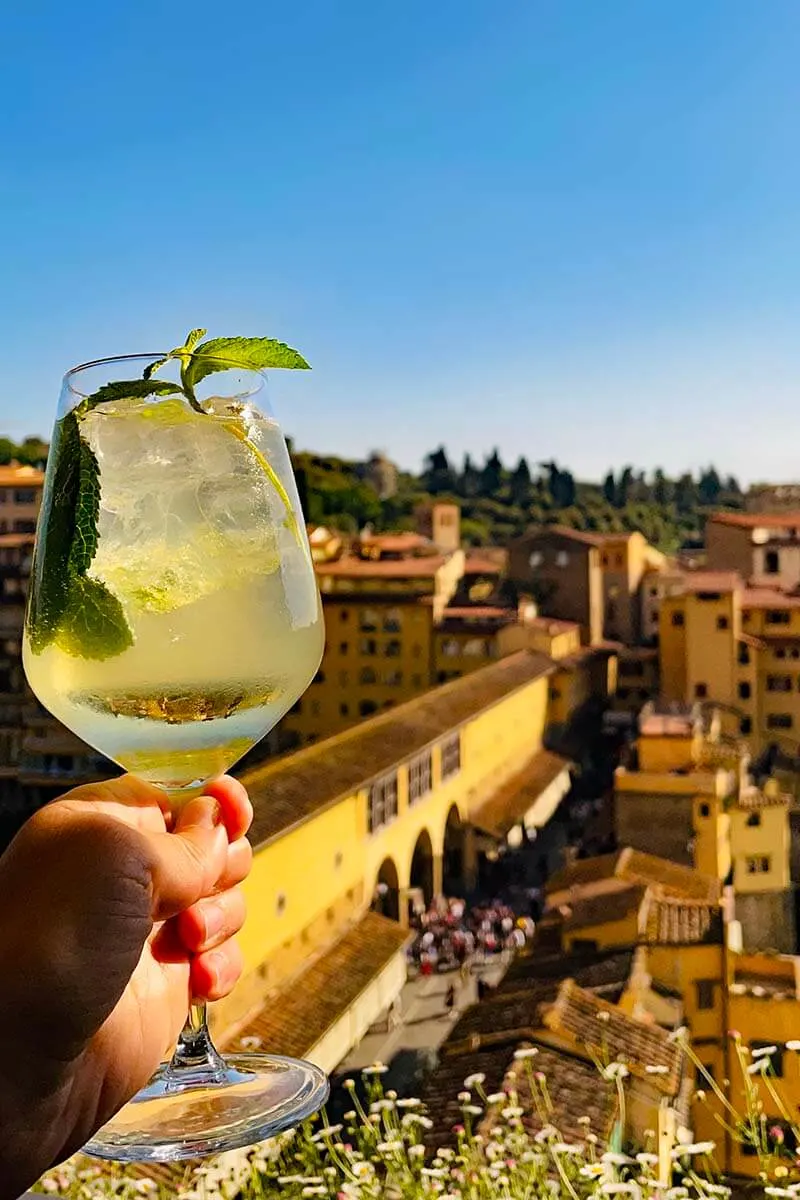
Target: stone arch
421, 873
453, 854
386, 897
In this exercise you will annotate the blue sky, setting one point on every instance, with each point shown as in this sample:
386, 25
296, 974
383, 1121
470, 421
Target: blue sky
565, 228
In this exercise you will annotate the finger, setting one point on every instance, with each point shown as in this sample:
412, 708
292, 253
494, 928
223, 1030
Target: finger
232, 797
212, 921
237, 867
187, 864
129, 799
216, 973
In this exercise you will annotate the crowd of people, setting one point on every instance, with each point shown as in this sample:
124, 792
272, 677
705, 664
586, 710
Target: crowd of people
450, 934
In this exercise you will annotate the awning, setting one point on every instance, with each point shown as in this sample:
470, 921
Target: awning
529, 798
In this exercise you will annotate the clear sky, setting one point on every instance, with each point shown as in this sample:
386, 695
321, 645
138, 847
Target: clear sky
567, 228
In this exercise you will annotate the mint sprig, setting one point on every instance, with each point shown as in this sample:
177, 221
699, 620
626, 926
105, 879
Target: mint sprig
67, 605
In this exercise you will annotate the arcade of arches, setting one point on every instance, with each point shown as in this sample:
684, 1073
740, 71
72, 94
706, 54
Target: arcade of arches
429, 874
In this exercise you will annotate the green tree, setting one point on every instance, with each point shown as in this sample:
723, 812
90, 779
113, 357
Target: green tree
469, 483
709, 487
662, 488
610, 488
686, 493
491, 475
438, 476
624, 487
521, 484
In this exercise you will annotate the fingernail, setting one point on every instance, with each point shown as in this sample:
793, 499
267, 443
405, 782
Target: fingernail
204, 811
214, 919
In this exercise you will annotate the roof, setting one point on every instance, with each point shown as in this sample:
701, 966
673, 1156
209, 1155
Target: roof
575, 1093
636, 867
510, 802
395, 543
14, 541
667, 921
587, 911
712, 581
606, 1031
754, 798
484, 614
483, 564
762, 597
486, 1035
678, 724
25, 476
552, 625
782, 520
572, 535
364, 568
295, 1019
298, 787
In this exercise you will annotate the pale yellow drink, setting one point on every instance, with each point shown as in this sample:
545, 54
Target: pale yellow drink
212, 570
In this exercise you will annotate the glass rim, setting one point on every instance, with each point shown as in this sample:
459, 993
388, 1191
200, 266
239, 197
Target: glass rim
154, 357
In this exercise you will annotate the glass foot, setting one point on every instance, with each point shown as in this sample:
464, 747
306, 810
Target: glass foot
204, 1111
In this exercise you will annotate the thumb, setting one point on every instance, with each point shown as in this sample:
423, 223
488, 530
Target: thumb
186, 864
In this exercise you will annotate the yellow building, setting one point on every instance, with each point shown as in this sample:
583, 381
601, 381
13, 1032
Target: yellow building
407, 803
20, 498
761, 547
739, 648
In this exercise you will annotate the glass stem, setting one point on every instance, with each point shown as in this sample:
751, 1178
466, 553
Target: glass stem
195, 1050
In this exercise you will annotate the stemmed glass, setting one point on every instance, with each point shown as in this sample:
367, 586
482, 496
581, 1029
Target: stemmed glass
173, 618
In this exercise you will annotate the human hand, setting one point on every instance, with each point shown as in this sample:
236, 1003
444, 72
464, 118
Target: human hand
113, 919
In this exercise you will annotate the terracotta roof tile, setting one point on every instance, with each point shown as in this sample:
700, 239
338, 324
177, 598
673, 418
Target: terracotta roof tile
768, 598
21, 476
587, 911
636, 867
479, 612
712, 581
510, 802
604, 1030
364, 568
782, 520
394, 543
295, 788
295, 1019
753, 798
673, 922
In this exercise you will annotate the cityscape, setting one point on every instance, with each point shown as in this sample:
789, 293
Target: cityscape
575, 733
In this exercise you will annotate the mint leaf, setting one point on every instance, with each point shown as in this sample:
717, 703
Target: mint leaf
94, 623
192, 338
220, 354
87, 509
133, 389
50, 584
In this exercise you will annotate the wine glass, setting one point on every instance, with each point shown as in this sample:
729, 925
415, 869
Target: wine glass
173, 618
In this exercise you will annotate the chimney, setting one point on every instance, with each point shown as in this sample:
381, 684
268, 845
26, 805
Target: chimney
441, 523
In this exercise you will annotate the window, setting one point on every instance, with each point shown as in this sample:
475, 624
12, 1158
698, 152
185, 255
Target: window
772, 563
297, 707
622, 692
280, 903
701, 690
367, 675
705, 993
25, 496
722, 622
631, 669
778, 616
745, 725
775, 1058
605, 560
3, 495
420, 772
382, 804
319, 677
451, 648
24, 527
744, 691
368, 621
708, 597
393, 648
393, 678
344, 647
757, 864
536, 559
779, 683
619, 561
562, 559
344, 710
611, 611
744, 655
754, 820
780, 652
368, 647
315, 708
344, 614
795, 652
705, 810
702, 1076
677, 618
367, 707
393, 621
779, 721
451, 756
476, 648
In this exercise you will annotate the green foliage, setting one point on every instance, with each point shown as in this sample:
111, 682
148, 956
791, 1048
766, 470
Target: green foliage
498, 504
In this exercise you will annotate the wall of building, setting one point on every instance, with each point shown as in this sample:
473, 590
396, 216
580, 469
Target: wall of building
564, 575
768, 920
729, 548
658, 823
